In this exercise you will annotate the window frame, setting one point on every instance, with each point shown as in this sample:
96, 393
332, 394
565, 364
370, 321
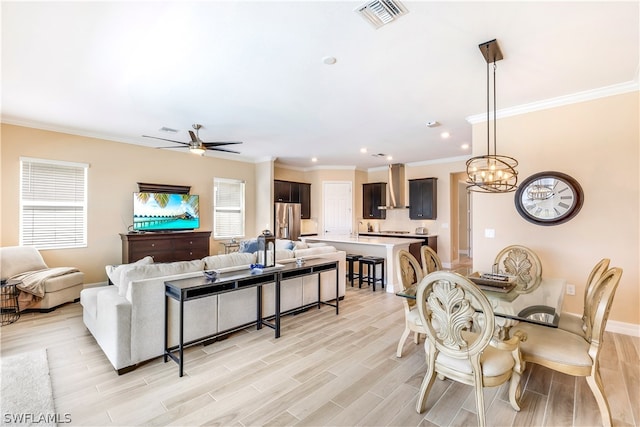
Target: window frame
242, 208
48, 241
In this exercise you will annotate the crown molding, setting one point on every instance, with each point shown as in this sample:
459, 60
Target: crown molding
617, 89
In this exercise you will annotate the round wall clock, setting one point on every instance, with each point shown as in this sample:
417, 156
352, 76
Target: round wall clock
549, 198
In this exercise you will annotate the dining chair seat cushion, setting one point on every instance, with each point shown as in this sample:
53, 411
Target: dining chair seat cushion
555, 345
413, 317
571, 323
494, 362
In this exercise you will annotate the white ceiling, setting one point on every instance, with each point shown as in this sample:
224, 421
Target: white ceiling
254, 71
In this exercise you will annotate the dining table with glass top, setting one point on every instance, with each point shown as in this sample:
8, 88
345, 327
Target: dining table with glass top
539, 302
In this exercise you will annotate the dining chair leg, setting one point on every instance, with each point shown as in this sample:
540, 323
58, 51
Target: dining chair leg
403, 338
425, 387
595, 384
479, 394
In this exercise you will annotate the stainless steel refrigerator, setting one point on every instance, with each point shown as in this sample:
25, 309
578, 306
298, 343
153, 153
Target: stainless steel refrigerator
287, 217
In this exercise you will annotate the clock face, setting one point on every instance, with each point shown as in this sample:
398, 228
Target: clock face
549, 198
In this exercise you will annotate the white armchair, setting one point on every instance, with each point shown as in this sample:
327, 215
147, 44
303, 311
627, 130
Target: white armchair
45, 288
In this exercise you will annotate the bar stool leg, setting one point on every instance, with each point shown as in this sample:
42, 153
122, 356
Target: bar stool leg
360, 275
382, 277
372, 265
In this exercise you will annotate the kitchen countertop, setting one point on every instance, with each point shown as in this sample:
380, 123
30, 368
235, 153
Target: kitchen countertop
397, 235
367, 240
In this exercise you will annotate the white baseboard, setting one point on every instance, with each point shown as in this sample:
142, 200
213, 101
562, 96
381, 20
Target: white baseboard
619, 327
623, 328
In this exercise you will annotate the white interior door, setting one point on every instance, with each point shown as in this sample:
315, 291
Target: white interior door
337, 202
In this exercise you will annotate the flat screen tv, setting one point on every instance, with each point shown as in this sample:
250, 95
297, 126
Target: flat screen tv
165, 212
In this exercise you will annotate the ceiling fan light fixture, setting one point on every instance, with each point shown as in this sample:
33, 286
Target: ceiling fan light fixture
492, 173
197, 149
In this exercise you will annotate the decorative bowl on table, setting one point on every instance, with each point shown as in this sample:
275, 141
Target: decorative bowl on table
493, 281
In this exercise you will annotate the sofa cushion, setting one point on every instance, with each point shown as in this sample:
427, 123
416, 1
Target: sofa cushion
299, 244
284, 244
319, 250
228, 260
316, 244
19, 259
138, 272
114, 272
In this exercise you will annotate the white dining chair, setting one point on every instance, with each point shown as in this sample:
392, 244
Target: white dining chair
447, 303
579, 325
410, 274
577, 354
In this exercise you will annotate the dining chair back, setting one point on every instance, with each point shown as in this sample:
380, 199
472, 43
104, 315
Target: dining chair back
430, 260
521, 262
581, 325
447, 304
575, 354
410, 273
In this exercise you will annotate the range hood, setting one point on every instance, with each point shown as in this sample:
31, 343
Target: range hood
397, 199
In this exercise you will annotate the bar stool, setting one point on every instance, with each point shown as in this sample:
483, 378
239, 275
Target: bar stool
351, 258
371, 262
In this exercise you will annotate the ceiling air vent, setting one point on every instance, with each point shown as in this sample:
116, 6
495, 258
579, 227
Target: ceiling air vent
381, 12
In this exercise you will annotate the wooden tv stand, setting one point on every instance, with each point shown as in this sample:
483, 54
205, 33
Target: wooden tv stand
165, 247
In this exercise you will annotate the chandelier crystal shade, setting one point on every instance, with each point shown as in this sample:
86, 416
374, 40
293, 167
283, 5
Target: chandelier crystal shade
492, 173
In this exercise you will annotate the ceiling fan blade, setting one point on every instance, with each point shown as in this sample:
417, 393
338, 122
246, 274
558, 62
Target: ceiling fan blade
222, 149
175, 146
163, 139
217, 144
194, 137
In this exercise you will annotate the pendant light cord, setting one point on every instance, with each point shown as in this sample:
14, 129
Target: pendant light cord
495, 149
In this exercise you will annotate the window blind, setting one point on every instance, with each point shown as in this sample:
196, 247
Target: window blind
228, 208
53, 204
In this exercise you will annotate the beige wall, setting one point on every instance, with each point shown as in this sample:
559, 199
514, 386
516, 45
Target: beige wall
114, 170
597, 143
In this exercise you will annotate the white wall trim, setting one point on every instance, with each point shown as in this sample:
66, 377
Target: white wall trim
623, 328
589, 95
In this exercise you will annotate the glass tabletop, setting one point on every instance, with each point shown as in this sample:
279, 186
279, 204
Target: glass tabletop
539, 303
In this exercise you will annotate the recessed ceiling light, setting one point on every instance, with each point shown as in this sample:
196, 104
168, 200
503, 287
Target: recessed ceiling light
389, 158
465, 146
445, 135
314, 159
329, 60
363, 150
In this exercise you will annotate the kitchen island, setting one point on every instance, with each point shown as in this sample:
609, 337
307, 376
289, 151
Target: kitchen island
386, 247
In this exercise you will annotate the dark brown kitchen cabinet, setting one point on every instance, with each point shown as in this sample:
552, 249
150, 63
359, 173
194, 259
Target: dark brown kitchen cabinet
294, 192
423, 197
374, 195
305, 200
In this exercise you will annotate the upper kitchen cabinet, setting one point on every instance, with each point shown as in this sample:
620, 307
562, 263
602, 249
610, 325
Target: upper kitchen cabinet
305, 200
294, 192
423, 197
374, 195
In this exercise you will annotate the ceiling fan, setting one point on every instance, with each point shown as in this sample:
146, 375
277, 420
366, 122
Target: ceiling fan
198, 146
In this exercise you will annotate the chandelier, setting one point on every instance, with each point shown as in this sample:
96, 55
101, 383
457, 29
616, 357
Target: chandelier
492, 173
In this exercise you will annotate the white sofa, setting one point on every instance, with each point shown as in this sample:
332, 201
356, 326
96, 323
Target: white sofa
127, 319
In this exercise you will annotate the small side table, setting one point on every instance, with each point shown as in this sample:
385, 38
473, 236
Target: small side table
229, 247
9, 310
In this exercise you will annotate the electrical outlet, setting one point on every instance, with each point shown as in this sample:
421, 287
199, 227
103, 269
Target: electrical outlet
571, 289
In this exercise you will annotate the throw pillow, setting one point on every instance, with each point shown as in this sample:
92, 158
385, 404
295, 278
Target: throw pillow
248, 246
138, 272
299, 244
114, 272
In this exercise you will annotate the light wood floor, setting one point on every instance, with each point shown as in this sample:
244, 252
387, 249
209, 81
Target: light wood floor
324, 370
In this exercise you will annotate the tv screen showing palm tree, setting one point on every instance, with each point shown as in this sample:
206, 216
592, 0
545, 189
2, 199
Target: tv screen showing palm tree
164, 211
